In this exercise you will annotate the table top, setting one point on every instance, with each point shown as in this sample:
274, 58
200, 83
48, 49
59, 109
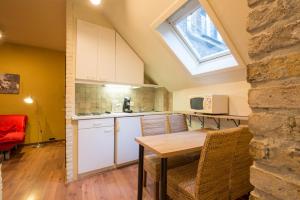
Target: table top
172, 144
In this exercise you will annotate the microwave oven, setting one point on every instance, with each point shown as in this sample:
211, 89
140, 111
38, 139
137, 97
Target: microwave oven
210, 104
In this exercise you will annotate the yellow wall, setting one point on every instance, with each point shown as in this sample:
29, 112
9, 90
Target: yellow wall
42, 74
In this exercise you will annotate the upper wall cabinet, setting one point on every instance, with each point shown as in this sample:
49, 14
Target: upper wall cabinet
106, 54
87, 51
101, 55
95, 53
129, 67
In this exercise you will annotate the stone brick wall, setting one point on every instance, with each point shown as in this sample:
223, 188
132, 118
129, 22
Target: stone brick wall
274, 74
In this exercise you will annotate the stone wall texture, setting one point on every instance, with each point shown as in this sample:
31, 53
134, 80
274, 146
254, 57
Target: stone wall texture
274, 74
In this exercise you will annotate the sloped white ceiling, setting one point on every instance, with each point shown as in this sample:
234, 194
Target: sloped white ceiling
133, 19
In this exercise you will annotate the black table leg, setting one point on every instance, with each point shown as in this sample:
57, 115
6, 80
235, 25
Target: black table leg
140, 173
163, 179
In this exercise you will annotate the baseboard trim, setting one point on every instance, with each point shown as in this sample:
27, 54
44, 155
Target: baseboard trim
95, 172
44, 142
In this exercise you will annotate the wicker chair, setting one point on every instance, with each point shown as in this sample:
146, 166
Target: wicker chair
155, 125
177, 123
208, 178
240, 171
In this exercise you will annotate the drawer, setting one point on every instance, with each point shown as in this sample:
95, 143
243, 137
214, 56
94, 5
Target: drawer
95, 123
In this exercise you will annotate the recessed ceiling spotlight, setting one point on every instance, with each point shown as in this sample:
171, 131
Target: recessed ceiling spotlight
95, 2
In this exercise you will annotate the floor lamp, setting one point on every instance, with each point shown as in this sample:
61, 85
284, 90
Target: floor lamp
30, 100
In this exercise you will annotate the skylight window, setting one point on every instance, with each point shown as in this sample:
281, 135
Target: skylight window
195, 40
200, 34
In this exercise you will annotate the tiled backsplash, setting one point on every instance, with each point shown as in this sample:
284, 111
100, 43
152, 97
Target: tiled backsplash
99, 99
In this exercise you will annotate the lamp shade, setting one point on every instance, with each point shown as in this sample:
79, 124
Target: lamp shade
28, 100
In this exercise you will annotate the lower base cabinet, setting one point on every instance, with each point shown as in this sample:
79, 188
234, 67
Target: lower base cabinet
95, 145
127, 129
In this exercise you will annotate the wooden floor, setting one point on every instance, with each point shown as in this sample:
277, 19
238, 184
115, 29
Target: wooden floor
38, 174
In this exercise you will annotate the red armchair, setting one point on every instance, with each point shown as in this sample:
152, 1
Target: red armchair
12, 131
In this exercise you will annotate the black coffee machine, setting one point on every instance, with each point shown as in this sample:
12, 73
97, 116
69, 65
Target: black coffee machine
126, 105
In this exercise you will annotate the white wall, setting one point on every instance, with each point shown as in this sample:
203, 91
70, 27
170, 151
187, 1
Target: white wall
133, 20
237, 92
238, 101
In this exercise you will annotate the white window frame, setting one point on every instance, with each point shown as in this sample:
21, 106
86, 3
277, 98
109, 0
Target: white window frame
164, 30
185, 11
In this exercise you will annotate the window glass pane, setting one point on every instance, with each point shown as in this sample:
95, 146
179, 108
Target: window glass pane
200, 34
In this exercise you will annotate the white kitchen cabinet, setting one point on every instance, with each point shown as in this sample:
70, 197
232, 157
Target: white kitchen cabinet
95, 52
95, 144
103, 55
87, 51
127, 129
129, 67
106, 54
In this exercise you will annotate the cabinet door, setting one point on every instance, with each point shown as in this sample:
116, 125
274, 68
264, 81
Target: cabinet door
128, 128
95, 149
107, 55
87, 50
129, 67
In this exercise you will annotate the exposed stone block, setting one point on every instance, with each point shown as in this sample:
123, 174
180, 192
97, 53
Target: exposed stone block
252, 3
260, 195
259, 149
275, 68
294, 153
296, 129
268, 14
267, 122
275, 97
281, 186
252, 197
278, 37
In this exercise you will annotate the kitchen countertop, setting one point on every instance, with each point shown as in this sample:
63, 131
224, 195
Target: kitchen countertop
116, 115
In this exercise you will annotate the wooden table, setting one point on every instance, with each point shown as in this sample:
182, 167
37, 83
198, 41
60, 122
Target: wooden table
165, 146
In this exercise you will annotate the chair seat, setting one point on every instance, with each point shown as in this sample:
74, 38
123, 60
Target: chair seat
181, 181
152, 163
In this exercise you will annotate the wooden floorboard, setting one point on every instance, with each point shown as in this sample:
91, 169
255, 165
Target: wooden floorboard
38, 174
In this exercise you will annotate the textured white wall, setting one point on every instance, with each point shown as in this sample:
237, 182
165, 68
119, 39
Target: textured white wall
237, 92
133, 20
238, 101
